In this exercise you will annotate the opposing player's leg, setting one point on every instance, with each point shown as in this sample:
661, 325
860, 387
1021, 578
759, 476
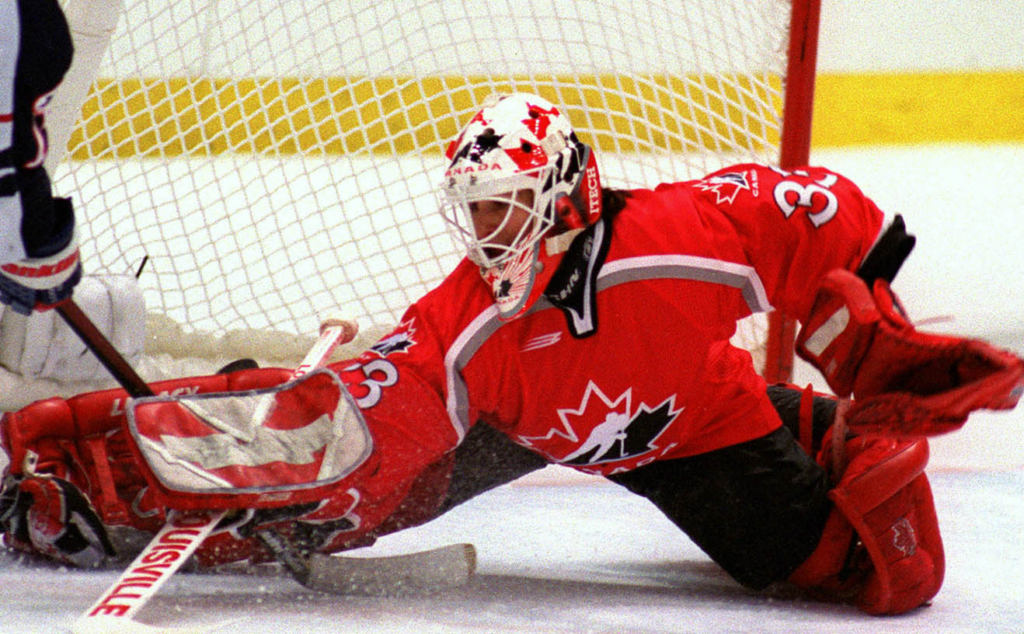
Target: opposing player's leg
43, 347
39, 259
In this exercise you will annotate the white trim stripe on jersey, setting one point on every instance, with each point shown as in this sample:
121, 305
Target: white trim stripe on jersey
463, 348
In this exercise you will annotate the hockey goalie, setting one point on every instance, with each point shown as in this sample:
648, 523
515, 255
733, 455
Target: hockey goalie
587, 327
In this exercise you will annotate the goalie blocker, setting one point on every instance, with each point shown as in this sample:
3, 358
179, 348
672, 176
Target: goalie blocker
184, 441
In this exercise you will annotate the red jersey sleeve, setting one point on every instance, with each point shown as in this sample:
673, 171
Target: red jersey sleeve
398, 386
793, 227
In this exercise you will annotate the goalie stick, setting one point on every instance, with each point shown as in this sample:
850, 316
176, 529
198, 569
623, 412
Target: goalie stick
161, 558
445, 566
183, 534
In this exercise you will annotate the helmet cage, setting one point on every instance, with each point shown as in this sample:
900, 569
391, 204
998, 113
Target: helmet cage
519, 143
486, 251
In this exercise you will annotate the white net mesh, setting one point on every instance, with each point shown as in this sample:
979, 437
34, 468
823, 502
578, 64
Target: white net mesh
275, 161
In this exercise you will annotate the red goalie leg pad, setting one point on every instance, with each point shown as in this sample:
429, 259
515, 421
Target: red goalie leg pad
906, 382
826, 570
82, 440
897, 562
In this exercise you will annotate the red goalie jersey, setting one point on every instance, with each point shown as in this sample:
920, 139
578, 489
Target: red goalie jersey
625, 360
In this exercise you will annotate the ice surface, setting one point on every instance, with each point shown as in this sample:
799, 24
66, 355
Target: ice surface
580, 556
566, 553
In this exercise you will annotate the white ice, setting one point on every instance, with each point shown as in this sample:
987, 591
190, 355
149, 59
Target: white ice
566, 553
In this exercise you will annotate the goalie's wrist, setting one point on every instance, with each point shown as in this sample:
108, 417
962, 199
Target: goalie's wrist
837, 334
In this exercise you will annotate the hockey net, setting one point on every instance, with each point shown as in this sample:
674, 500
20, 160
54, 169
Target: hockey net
274, 161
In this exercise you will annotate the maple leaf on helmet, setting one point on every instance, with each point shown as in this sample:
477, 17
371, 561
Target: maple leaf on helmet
520, 143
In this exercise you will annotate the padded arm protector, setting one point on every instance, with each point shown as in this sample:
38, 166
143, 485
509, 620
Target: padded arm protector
905, 382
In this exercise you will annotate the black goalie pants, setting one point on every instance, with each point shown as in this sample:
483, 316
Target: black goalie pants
757, 508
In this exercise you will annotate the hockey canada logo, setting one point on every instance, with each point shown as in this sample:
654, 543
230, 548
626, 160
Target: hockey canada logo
400, 340
617, 431
726, 187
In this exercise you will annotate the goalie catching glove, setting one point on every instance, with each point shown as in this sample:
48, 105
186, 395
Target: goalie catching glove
905, 382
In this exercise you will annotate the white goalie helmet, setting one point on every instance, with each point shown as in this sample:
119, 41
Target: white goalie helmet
516, 144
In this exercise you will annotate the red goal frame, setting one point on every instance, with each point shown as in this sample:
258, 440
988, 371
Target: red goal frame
794, 152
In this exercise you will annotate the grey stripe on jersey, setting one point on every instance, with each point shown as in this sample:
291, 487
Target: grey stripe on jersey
682, 267
688, 267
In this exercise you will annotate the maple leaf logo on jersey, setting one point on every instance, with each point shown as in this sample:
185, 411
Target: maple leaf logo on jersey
726, 186
617, 431
400, 340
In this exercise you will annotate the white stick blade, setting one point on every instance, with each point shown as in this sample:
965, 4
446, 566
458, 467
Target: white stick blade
420, 572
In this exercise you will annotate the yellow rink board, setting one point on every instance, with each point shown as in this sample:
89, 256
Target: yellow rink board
342, 115
896, 109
